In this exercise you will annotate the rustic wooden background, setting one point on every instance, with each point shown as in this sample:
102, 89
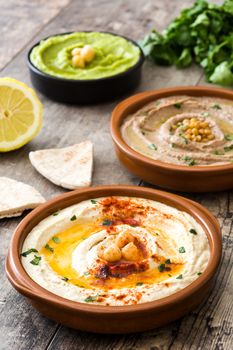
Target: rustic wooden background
23, 23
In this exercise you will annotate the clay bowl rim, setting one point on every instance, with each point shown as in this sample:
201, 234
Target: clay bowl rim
24, 284
36, 70
137, 101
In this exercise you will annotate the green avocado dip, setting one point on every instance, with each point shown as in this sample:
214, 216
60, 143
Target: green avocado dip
113, 55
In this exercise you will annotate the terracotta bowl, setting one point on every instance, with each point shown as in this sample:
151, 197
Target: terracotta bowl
165, 175
114, 319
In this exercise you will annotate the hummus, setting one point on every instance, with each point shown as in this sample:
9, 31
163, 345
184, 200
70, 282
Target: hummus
113, 55
116, 251
183, 130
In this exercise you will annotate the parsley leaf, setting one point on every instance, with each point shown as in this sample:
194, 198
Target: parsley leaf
168, 261
65, 279
47, 246
161, 267
74, 217
193, 231
56, 240
182, 250
138, 284
177, 105
216, 106
29, 251
107, 222
36, 260
91, 298
93, 201
153, 146
179, 277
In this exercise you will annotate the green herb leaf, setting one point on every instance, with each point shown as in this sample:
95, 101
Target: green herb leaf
29, 251
93, 201
90, 299
179, 277
190, 161
218, 152
36, 260
193, 231
216, 106
65, 279
182, 250
168, 261
177, 105
86, 273
55, 214
153, 146
228, 148
173, 145
138, 284
169, 275
47, 246
107, 222
161, 267
199, 273
56, 240
228, 137
74, 217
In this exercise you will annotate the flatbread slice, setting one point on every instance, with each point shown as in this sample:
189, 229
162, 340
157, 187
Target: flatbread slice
17, 196
69, 167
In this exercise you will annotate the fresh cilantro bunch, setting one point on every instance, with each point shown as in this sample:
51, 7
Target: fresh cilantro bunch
202, 33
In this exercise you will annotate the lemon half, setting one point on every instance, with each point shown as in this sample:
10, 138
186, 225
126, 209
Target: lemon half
20, 114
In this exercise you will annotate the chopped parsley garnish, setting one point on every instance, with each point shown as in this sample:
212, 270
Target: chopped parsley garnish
55, 214
74, 217
36, 260
91, 299
218, 152
153, 146
179, 277
173, 145
161, 267
216, 106
177, 105
190, 161
228, 137
205, 114
47, 246
182, 250
29, 251
186, 141
228, 148
86, 273
65, 279
193, 231
107, 222
169, 275
199, 273
93, 201
143, 133
168, 261
138, 284
56, 240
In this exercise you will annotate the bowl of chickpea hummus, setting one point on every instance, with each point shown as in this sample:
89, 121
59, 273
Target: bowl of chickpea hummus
115, 259
85, 67
178, 138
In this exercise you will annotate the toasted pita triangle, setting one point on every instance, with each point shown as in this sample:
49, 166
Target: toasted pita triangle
17, 196
69, 167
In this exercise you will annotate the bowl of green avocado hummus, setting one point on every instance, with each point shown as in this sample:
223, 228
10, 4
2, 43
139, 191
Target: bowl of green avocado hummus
62, 69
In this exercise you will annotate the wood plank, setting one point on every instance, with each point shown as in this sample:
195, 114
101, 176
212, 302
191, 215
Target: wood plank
21, 20
212, 322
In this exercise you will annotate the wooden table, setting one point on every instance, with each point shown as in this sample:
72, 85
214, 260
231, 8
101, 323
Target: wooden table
22, 24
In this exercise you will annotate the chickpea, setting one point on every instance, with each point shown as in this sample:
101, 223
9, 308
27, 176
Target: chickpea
195, 131
198, 138
78, 61
130, 252
207, 131
204, 125
201, 131
88, 53
193, 120
76, 51
188, 136
124, 238
112, 253
210, 137
204, 139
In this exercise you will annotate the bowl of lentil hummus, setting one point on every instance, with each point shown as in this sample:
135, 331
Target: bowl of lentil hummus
115, 259
85, 67
178, 138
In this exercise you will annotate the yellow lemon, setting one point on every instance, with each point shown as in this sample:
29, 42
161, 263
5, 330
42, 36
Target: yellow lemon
20, 114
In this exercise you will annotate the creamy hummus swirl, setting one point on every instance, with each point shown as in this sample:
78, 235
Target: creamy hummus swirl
162, 130
161, 250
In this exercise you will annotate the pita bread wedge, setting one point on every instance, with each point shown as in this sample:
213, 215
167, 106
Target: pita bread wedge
69, 167
17, 196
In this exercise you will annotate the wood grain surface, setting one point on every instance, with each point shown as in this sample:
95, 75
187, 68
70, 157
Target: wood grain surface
23, 23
